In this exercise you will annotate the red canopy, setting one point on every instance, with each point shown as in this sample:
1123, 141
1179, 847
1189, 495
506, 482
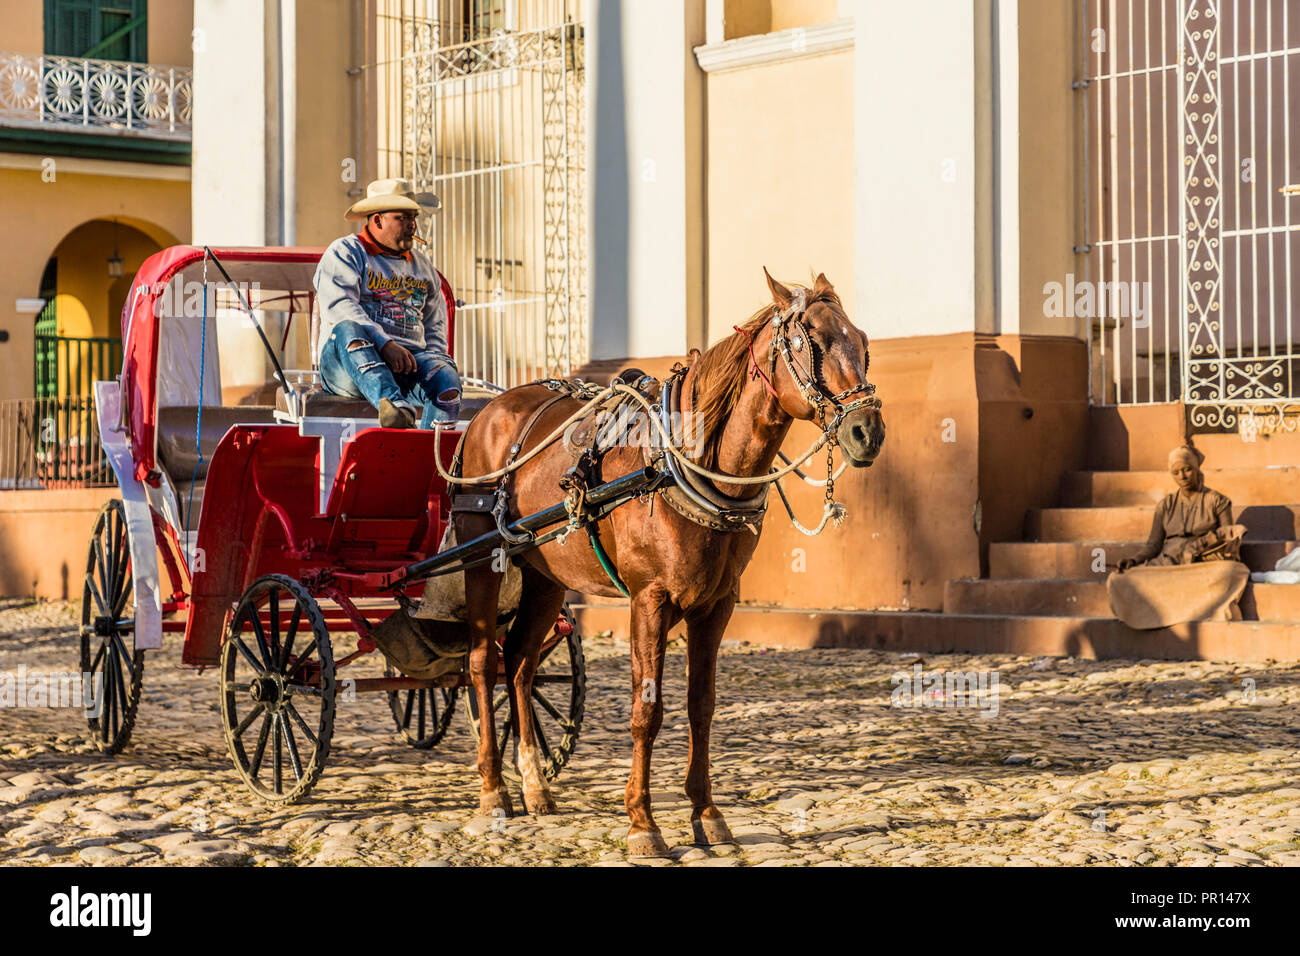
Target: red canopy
273, 267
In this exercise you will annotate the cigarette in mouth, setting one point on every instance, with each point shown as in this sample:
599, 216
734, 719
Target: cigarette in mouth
420, 241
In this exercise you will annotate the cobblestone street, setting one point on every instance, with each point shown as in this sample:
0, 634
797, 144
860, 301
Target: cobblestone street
1116, 762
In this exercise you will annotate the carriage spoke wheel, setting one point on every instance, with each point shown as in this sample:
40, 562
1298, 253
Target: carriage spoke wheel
113, 671
277, 689
422, 716
559, 696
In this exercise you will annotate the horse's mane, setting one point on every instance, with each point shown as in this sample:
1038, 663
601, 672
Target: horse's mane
721, 373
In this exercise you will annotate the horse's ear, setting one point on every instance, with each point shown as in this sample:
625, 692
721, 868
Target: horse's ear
821, 285
780, 294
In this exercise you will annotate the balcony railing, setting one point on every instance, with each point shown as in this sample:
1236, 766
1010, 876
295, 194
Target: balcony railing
51, 443
68, 93
67, 366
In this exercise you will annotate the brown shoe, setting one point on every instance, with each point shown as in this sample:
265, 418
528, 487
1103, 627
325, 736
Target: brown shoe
395, 416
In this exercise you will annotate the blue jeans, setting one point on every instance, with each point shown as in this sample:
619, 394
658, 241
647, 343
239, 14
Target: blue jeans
350, 365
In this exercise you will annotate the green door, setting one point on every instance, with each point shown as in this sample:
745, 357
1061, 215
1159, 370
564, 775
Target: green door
98, 29
46, 353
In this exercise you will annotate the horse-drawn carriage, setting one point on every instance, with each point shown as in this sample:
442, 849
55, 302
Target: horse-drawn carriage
283, 529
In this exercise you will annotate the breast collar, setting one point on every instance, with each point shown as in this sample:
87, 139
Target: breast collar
691, 496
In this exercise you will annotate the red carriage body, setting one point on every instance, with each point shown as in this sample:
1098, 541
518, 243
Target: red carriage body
247, 505
385, 503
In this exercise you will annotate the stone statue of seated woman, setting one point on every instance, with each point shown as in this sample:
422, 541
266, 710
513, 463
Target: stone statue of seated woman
1191, 524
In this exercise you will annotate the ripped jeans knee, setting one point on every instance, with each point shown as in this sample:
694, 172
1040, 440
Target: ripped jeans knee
350, 365
441, 386
365, 363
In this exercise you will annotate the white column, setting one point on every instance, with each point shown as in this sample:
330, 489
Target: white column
236, 187
715, 15
230, 121
1006, 163
923, 203
645, 177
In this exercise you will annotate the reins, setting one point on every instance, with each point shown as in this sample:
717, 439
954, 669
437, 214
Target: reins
668, 445
813, 392
754, 370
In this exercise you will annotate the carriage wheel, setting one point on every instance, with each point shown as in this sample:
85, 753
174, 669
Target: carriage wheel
559, 696
107, 617
422, 716
278, 675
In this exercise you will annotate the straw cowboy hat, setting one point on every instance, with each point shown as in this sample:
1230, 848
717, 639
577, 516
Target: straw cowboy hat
391, 195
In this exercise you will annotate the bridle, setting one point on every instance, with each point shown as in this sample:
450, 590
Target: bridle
789, 333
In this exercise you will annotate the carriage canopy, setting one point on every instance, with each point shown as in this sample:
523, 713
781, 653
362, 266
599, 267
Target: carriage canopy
171, 318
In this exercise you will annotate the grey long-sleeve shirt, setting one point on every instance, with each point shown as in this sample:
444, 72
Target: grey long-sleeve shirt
399, 297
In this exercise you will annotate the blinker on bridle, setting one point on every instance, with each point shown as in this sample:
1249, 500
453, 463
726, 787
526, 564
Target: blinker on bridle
812, 390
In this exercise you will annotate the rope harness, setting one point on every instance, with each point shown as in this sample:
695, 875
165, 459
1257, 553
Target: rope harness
790, 338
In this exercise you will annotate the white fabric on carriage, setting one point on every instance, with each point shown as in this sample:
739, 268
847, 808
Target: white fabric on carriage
180, 343
270, 287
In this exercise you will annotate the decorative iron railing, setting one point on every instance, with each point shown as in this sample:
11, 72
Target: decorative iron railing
96, 96
66, 366
1188, 169
51, 443
489, 112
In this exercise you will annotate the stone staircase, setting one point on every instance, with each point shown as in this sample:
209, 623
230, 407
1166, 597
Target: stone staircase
1052, 584
1045, 594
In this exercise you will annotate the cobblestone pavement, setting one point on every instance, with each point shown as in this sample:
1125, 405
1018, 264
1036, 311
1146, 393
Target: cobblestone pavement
1117, 762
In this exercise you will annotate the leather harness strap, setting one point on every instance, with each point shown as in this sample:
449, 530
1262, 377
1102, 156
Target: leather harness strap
754, 370
540, 410
695, 499
501, 497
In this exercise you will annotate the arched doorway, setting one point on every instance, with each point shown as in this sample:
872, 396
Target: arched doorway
78, 333
77, 340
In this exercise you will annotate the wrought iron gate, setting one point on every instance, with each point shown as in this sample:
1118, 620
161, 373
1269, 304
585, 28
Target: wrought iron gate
1188, 160
492, 120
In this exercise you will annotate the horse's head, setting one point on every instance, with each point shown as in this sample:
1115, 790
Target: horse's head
819, 368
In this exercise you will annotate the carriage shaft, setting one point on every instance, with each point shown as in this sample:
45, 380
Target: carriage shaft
605, 497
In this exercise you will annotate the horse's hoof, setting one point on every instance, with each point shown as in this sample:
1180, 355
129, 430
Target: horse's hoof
646, 844
711, 832
495, 804
539, 803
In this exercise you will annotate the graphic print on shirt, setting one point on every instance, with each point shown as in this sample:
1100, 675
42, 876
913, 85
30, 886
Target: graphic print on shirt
399, 303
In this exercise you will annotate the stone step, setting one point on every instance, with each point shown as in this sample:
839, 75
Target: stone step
1133, 523
1045, 597
1071, 597
930, 632
1076, 559
1245, 486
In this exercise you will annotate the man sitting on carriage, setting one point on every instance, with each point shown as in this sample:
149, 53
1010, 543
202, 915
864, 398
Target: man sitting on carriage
384, 313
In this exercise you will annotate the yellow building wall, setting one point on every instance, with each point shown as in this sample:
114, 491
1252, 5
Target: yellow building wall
90, 302
37, 215
743, 18
780, 182
325, 122
24, 30
1050, 224
171, 25
787, 14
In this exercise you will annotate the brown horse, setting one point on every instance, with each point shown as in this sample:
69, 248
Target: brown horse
744, 396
